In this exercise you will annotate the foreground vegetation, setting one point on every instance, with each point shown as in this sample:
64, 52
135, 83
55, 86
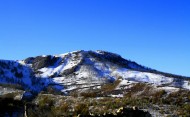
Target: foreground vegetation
139, 98
159, 103
97, 102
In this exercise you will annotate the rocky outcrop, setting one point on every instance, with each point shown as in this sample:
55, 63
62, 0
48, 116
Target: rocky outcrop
40, 61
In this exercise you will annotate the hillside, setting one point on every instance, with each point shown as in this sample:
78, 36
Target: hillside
87, 74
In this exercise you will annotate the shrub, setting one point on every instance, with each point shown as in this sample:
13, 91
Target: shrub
81, 108
46, 101
143, 88
110, 86
61, 110
74, 94
138, 87
159, 94
14, 86
88, 94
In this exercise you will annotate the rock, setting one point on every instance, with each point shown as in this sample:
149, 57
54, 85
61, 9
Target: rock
120, 110
18, 97
135, 108
40, 61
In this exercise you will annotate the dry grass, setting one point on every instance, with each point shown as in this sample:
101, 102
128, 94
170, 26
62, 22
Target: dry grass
176, 103
110, 86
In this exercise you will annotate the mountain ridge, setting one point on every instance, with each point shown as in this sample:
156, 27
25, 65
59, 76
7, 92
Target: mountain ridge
142, 66
80, 70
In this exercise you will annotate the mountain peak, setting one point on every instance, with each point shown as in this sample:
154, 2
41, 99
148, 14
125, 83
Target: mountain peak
78, 69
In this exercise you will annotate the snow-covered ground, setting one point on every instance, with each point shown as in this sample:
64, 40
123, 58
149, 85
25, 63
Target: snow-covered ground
82, 69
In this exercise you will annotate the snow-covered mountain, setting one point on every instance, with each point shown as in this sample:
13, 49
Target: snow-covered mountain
82, 70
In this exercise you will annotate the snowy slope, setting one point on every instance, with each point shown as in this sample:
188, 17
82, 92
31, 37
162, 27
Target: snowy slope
80, 70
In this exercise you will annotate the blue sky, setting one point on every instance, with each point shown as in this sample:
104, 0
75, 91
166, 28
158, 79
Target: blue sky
154, 33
